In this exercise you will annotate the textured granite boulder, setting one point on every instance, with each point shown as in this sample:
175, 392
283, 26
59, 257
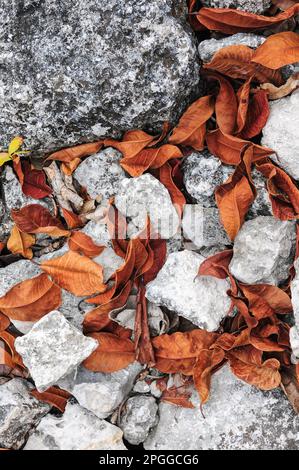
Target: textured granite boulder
15, 273
101, 393
252, 6
200, 299
281, 133
138, 417
19, 412
237, 417
52, 349
80, 69
263, 251
101, 174
145, 195
76, 429
208, 47
98, 232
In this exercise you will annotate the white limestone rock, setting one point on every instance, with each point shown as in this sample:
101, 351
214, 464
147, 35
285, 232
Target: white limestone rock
294, 332
101, 174
19, 412
98, 232
138, 417
252, 6
109, 261
142, 196
294, 341
98, 392
200, 299
209, 47
15, 273
281, 133
237, 417
263, 251
52, 349
76, 429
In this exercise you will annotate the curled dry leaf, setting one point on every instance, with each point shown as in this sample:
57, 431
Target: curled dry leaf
179, 396
236, 62
142, 341
4, 322
191, 128
159, 249
72, 220
243, 96
275, 93
166, 178
133, 142
217, 265
230, 21
12, 359
75, 273
21, 243
206, 362
278, 50
257, 115
54, 396
34, 182
84, 244
266, 300
112, 354
30, 300
79, 151
35, 218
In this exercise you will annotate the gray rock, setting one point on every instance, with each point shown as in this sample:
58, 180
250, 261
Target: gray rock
294, 331
252, 6
52, 349
76, 429
98, 232
101, 393
264, 251
262, 204
207, 48
83, 69
109, 261
15, 273
141, 387
138, 417
145, 195
294, 341
202, 226
280, 133
19, 412
237, 417
200, 299
175, 243
101, 174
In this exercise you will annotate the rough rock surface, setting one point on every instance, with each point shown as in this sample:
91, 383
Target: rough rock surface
19, 412
139, 416
109, 261
81, 69
101, 393
208, 47
281, 129
252, 6
200, 299
98, 232
76, 429
263, 251
16, 272
237, 416
101, 174
145, 195
294, 332
52, 349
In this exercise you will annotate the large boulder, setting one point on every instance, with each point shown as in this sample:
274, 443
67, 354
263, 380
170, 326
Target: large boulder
77, 70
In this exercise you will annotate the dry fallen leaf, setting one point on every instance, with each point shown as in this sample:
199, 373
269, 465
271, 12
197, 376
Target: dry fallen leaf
278, 50
21, 243
275, 93
34, 182
35, 218
54, 396
243, 96
84, 244
166, 178
265, 300
79, 151
257, 115
207, 361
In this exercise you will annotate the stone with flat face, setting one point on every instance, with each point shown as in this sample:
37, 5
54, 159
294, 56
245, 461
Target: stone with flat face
138, 417
252, 6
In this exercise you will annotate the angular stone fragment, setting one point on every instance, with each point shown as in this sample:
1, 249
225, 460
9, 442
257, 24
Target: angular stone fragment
200, 299
109, 261
98, 232
98, 68
98, 392
19, 412
76, 429
145, 195
236, 417
252, 6
263, 251
15, 273
281, 133
52, 349
209, 47
101, 174
138, 417
294, 332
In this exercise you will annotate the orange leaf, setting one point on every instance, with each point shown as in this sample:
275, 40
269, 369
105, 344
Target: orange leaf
15, 359
83, 244
54, 396
79, 151
217, 265
226, 104
177, 197
112, 354
266, 300
68, 168
72, 220
275, 93
35, 218
243, 103
191, 128
75, 273
142, 341
30, 300
133, 142
4, 322
179, 396
20, 242
257, 115
278, 50
206, 362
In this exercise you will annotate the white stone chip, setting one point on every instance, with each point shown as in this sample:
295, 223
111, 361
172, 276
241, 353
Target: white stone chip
139, 416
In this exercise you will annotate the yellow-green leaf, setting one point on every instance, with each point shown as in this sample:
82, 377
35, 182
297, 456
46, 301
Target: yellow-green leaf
4, 157
15, 145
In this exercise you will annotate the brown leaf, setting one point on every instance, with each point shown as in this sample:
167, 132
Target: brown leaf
142, 341
265, 300
235, 196
278, 50
35, 218
243, 96
79, 151
290, 386
275, 93
179, 396
30, 300
236, 62
257, 115
4, 322
68, 168
159, 249
191, 128
13, 359
206, 362
20, 243
284, 4
73, 220
54, 396
34, 182
84, 244
112, 354
166, 178
217, 265
75, 273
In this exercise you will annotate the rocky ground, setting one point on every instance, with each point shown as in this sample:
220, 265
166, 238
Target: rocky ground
86, 316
